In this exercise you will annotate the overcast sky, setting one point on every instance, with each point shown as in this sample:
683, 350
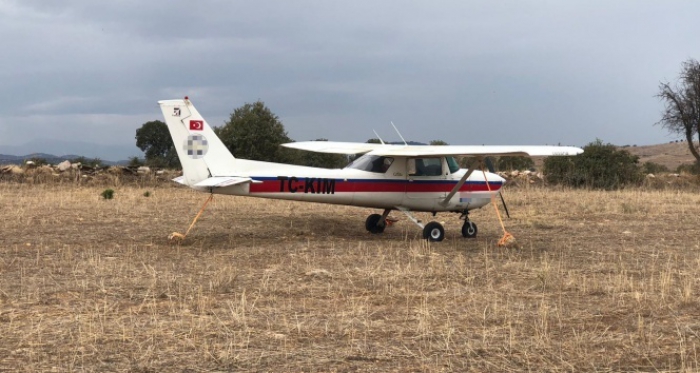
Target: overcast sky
467, 72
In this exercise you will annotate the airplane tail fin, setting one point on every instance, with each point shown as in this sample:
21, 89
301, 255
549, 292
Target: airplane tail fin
201, 152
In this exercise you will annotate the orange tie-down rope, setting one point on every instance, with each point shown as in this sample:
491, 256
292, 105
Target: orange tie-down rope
180, 236
507, 237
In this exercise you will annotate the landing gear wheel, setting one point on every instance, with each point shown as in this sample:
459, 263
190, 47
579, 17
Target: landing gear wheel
434, 231
375, 224
469, 229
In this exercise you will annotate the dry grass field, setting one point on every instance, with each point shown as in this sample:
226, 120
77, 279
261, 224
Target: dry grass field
599, 281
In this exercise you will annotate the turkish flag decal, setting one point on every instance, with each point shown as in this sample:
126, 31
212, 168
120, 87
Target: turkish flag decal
196, 125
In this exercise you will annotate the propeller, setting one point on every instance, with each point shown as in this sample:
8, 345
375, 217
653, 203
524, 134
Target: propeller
489, 166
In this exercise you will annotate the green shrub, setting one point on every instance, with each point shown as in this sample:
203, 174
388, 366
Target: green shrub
107, 194
693, 168
601, 166
514, 163
135, 162
146, 194
38, 161
654, 168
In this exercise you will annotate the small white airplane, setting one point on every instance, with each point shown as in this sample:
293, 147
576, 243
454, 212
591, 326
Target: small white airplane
389, 177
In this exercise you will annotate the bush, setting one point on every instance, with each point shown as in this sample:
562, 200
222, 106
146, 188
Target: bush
601, 166
135, 162
693, 168
514, 163
107, 194
95, 162
654, 168
38, 161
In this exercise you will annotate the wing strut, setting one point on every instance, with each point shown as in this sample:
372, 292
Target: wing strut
471, 166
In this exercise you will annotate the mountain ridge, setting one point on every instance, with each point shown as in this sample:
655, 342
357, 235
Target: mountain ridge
6, 159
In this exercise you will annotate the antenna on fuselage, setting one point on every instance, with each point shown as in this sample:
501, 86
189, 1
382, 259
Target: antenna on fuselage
397, 131
380, 139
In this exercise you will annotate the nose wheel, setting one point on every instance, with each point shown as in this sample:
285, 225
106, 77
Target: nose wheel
469, 229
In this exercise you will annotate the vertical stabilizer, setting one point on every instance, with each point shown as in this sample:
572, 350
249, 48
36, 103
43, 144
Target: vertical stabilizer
201, 152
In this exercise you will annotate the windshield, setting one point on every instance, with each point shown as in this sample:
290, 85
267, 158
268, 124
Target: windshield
371, 163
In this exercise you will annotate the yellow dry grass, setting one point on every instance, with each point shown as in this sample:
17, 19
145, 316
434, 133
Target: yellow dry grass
600, 281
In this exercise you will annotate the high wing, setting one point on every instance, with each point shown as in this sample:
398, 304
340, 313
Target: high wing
334, 147
475, 150
432, 150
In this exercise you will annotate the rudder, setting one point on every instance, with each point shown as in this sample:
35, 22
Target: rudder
201, 152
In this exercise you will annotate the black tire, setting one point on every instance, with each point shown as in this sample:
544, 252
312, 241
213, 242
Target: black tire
469, 229
434, 231
375, 224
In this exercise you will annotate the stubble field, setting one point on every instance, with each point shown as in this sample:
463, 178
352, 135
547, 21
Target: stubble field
599, 281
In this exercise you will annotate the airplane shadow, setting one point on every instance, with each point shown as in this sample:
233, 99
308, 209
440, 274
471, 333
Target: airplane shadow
278, 229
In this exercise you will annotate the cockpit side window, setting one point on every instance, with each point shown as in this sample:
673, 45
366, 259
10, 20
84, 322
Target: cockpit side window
372, 163
425, 167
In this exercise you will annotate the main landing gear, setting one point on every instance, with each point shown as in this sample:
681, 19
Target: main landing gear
375, 224
432, 231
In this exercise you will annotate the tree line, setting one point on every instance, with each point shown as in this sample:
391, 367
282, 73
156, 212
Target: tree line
252, 131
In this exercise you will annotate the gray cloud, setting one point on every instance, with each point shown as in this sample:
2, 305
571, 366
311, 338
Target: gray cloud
467, 72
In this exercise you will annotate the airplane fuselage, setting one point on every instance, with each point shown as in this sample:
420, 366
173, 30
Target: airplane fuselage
395, 187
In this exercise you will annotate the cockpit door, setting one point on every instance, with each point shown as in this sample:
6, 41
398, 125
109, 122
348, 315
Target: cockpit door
426, 178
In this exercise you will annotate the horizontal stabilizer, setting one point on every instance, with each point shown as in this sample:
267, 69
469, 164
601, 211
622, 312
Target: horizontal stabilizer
224, 181
180, 180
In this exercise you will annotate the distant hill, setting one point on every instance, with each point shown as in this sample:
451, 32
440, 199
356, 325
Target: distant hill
670, 155
88, 150
51, 159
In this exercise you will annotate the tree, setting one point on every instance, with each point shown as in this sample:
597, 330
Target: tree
254, 132
135, 162
154, 139
38, 161
600, 166
438, 142
511, 163
682, 105
325, 160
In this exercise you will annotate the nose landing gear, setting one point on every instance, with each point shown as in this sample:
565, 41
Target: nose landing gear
469, 229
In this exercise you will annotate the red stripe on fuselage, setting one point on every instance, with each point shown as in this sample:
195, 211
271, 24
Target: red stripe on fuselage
324, 186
